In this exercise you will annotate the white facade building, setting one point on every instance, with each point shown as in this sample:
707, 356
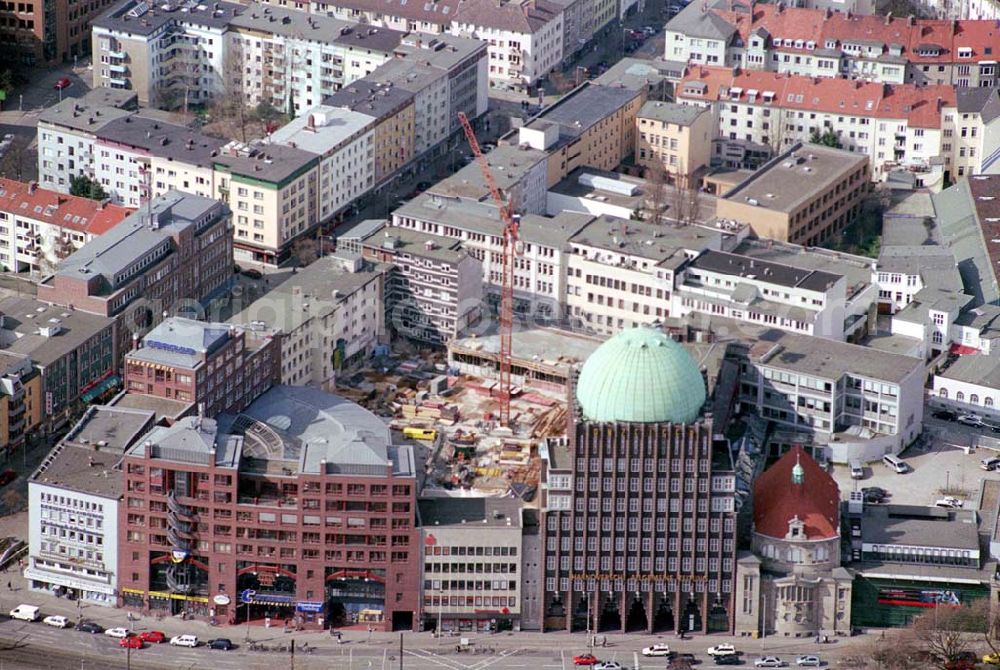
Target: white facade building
73, 503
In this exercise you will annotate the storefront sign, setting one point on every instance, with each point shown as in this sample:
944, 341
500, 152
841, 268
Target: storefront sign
918, 597
306, 606
221, 599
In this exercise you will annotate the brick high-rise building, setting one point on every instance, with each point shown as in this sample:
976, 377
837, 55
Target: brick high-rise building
302, 498
176, 250
639, 523
221, 367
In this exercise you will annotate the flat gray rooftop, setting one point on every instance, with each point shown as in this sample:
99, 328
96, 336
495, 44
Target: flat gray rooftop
775, 273
91, 112
856, 269
658, 243
418, 244
273, 163
571, 186
975, 369
141, 17
461, 511
23, 317
579, 110
441, 51
508, 164
920, 526
181, 342
87, 458
370, 97
829, 359
163, 408
165, 140
289, 23
561, 349
784, 183
671, 112
192, 439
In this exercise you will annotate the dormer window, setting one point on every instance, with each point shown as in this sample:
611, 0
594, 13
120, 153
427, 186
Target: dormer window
965, 52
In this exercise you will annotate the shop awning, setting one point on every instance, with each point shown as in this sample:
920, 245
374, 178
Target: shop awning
264, 599
963, 350
100, 388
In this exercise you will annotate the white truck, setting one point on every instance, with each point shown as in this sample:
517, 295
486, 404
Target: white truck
26, 613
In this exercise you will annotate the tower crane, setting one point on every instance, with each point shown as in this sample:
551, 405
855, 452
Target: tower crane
511, 222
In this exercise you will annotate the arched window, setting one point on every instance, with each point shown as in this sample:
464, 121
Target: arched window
974, 399
943, 393
988, 401
960, 397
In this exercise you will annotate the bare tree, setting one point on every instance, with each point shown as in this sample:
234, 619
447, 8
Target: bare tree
13, 161
305, 250
686, 205
656, 179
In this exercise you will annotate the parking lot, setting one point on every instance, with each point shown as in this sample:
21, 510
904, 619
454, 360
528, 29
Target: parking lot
941, 464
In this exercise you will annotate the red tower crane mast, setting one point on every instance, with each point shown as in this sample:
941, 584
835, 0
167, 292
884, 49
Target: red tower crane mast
510, 222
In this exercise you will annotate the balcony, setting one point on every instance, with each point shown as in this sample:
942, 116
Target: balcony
114, 81
118, 55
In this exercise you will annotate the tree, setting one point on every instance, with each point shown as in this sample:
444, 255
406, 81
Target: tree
62, 246
12, 162
686, 206
85, 187
829, 138
656, 178
305, 250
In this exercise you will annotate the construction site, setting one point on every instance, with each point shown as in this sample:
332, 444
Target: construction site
449, 404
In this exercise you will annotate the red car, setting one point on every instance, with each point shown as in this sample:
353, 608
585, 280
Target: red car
584, 659
131, 642
7, 476
153, 637
62, 83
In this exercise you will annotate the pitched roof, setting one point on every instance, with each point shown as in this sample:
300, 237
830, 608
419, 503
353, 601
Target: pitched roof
920, 105
776, 500
59, 209
517, 16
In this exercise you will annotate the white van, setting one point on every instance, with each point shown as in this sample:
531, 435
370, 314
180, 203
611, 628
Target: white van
26, 613
857, 470
898, 466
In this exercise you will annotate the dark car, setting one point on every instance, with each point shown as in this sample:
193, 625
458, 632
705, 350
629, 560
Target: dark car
423, 185
874, 494
253, 274
62, 83
7, 476
728, 659
89, 627
945, 415
223, 643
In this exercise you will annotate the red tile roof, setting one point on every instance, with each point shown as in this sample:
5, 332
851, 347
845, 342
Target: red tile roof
919, 105
776, 500
59, 209
816, 26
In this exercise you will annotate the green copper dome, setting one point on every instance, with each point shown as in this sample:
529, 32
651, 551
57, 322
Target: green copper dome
640, 375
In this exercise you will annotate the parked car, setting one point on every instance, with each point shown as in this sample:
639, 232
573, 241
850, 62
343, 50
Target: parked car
728, 659
657, 650
63, 82
585, 659
222, 643
990, 463
184, 641
721, 649
7, 476
253, 274
118, 632
944, 415
857, 469
993, 658
57, 621
808, 662
970, 420
131, 642
769, 662
609, 665
152, 636
26, 613
89, 627
950, 502
874, 494
681, 661
964, 660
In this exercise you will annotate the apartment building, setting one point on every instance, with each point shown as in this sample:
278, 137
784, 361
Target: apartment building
72, 352
592, 126
675, 139
357, 563
20, 401
854, 402
525, 38
73, 506
135, 158
168, 55
912, 257
393, 116
39, 227
345, 142
433, 18
273, 193
217, 366
807, 195
329, 317
434, 288
896, 126
521, 174
457, 534
67, 132
41, 34
621, 274
831, 44
177, 248
929, 320
971, 132
582, 21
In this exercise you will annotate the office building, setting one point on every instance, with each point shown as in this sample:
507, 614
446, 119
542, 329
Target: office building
218, 367
74, 499
328, 537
